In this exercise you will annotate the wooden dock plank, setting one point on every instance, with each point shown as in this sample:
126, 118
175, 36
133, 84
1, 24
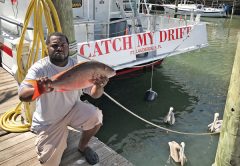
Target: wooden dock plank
8, 94
115, 160
8, 91
6, 81
20, 158
8, 105
15, 140
2, 132
13, 151
8, 136
19, 148
8, 86
33, 162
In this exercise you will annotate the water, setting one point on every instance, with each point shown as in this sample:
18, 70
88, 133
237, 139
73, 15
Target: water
195, 84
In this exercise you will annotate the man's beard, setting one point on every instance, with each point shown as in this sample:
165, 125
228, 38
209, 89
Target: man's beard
59, 58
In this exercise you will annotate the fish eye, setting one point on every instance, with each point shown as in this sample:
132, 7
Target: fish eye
106, 68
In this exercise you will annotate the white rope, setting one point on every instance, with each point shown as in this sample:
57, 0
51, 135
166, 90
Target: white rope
152, 77
153, 124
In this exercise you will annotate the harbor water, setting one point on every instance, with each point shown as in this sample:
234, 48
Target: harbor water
194, 83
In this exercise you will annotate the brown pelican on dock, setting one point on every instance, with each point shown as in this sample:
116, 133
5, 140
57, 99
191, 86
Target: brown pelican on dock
169, 118
215, 126
177, 152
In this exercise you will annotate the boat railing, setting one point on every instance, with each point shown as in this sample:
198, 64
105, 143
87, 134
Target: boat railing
157, 22
89, 30
12, 26
147, 8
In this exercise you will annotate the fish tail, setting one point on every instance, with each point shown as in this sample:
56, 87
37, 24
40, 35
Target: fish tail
36, 93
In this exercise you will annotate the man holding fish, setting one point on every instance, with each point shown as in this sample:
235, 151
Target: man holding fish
56, 82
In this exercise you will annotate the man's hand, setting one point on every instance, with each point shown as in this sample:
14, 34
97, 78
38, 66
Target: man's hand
101, 81
44, 85
98, 87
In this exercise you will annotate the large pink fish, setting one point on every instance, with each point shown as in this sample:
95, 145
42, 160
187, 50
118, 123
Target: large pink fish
79, 76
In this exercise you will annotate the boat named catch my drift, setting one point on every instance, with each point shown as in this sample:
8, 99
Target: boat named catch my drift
104, 33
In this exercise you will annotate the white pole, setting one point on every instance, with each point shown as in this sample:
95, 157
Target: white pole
88, 15
109, 14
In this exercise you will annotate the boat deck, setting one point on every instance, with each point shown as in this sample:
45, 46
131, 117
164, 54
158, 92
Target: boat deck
19, 149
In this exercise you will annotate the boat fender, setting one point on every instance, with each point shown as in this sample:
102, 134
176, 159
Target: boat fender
150, 95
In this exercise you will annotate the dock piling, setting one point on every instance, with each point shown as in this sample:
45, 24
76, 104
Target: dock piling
228, 151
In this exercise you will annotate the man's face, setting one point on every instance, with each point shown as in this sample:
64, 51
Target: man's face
58, 50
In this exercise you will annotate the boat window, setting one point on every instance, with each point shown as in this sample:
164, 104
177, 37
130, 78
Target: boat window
76, 3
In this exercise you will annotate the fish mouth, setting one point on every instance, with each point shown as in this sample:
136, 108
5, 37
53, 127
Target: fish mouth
113, 73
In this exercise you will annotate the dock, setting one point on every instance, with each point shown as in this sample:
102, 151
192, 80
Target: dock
19, 148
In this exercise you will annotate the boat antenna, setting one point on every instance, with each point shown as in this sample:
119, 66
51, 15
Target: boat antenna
151, 95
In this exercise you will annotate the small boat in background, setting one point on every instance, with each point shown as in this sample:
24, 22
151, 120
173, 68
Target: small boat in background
188, 7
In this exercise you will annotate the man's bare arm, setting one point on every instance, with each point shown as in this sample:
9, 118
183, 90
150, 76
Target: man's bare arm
43, 85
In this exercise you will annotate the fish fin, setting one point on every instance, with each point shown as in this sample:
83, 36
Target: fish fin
34, 84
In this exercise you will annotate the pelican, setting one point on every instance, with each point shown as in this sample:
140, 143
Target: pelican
177, 152
215, 126
169, 118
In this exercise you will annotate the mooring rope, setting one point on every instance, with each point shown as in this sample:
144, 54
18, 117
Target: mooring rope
153, 124
152, 77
